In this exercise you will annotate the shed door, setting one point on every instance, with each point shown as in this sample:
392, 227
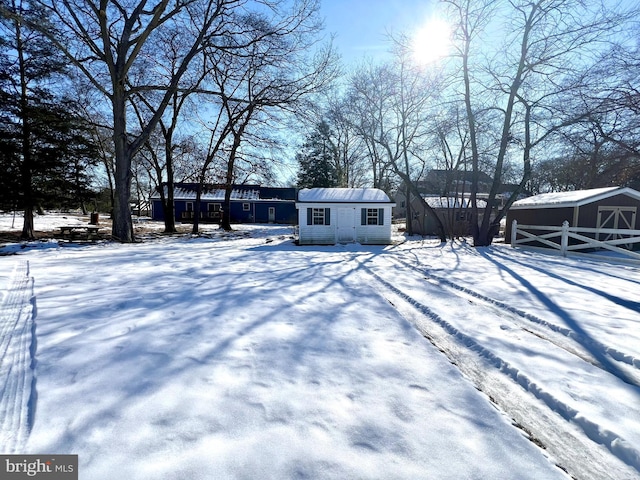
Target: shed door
272, 214
620, 218
346, 225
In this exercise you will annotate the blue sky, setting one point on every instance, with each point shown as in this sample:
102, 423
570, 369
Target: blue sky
361, 25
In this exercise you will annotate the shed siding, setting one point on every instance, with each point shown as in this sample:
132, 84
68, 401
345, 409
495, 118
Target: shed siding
373, 234
317, 234
538, 216
327, 234
585, 215
588, 216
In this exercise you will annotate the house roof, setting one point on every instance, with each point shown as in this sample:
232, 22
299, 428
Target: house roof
187, 191
435, 181
574, 198
343, 195
452, 202
217, 194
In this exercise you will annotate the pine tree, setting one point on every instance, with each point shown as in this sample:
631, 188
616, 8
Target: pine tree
317, 159
42, 140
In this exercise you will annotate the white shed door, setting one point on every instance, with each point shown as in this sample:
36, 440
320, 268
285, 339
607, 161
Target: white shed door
346, 225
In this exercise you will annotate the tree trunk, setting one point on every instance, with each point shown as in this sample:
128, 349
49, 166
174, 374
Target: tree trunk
225, 221
26, 167
27, 225
168, 211
409, 214
196, 208
483, 236
122, 229
237, 136
169, 208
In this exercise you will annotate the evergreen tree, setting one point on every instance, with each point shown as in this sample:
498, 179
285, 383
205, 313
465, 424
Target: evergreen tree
317, 159
42, 150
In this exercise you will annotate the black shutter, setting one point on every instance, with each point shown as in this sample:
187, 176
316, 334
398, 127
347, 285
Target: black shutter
363, 216
309, 216
327, 216
381, 216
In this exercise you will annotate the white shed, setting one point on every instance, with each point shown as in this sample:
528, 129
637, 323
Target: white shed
343, 215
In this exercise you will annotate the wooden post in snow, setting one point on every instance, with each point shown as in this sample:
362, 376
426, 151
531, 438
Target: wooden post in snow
564, 240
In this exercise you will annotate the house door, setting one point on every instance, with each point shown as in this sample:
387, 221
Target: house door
619, 218
272, 214
346, 229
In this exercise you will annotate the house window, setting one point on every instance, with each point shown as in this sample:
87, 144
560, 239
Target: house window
213, 210
189, 206
372, 216
246, 207
318, 216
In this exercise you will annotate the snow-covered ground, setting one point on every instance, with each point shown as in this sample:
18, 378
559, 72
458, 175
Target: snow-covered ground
246, 356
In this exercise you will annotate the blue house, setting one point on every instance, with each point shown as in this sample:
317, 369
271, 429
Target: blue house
249, 204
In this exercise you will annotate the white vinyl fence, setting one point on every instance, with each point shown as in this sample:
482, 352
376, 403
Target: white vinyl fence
620, 241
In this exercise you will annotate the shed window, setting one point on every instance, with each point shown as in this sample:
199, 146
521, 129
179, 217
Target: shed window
246, 207
372, 216
318, 216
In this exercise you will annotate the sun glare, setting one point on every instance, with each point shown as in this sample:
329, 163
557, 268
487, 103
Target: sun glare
431, 42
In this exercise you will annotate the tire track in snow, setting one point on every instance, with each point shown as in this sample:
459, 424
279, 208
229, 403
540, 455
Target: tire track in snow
457, 341
17, 361
612, 352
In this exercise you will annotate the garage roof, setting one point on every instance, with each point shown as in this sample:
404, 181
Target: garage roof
574, 198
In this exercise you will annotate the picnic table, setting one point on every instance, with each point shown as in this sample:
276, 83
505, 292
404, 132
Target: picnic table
73, 232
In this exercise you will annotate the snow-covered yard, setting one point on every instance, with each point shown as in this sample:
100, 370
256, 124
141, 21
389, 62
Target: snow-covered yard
246, 356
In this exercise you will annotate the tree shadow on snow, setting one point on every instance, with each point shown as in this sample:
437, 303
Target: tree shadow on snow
630, 304
582, 336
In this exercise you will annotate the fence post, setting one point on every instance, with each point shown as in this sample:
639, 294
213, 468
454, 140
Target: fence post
564, 240
514, 232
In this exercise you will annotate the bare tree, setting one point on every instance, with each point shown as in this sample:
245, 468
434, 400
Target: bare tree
109, 42
522, 88
390, 110
162, 163
366, 105
273, 72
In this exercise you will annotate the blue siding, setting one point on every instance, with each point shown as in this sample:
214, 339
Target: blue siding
157, 213
285, 211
